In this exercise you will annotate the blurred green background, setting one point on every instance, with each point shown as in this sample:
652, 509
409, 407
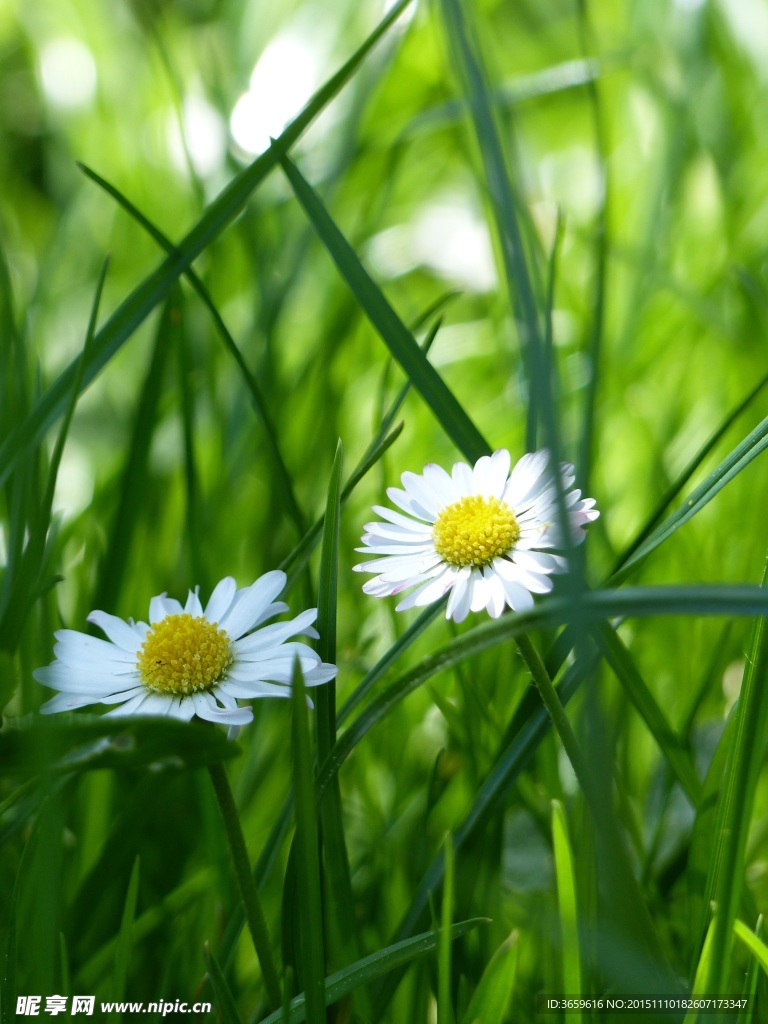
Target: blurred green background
635, 138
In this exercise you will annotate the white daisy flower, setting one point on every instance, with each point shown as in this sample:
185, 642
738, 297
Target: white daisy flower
482, 534
188, 661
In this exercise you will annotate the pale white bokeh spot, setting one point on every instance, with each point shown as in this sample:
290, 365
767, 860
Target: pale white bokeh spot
283, 80
74, 482
205, 135
68, 73
447, 237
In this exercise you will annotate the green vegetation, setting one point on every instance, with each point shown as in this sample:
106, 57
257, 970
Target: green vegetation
477, 226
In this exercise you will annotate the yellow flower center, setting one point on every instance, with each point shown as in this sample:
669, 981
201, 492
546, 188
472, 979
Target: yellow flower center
183, 655
474, 531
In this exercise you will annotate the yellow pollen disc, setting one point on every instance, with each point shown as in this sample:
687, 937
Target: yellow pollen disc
183, 654
474, 531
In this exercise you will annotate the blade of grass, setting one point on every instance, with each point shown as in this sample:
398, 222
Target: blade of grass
490, 1000
125, 936
568, 906
725, 881
749, 991
444, 1007
671, 745
342, 923
225, 1001
699, 987
393, 332
155, 288
307, 857
254, 390
504, 203
753, 445
28, 579
134, 483
342, 982
676, 487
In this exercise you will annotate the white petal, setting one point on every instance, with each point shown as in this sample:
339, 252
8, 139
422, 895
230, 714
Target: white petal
462, 479
251, 602
220, 599
398, 518
429, 592
460, 597
400, 567
526, 477
63, 677
162, 606
518, 598
275, 608
91, 648
408, 503
118, 631
422, 491
489, 476
442, 486
193, 606
272, 636
399, 534
396, 549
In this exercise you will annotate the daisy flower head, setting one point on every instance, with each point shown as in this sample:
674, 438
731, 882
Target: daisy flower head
483, 535
188, 660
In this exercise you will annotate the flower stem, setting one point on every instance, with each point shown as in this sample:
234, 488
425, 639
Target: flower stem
556, 712
249, 893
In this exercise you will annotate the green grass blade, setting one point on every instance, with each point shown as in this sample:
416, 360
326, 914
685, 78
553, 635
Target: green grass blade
753, 942
225, 1001
749, 990
444, 1007
672, 746
325, 696
125, 936
725, 880
753, 445
134, 482
504, 202
257, 398
490, 1000
387, 323
298, 557
342, 982
307, 857
703, 972
155, 288
677, 485
568, 906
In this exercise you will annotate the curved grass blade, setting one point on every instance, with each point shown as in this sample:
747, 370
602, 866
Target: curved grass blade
259, 402
568, 906
225, 1001
307, 856
490, 1000
133, 484
125, 936
504, 202
753, 445
725, 881
676, 487
387, 323
673, 748
155, 288
348, 979
28, 579
597, 605
759, 959
444, 1008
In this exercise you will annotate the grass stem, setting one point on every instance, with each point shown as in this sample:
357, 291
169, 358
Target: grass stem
249, 894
